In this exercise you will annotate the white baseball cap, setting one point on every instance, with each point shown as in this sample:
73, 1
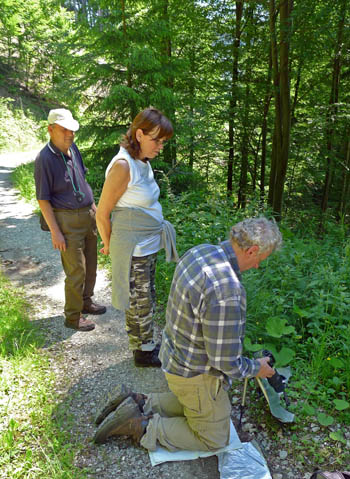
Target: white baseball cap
64, 118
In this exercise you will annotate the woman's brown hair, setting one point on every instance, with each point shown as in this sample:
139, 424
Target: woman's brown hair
147, 120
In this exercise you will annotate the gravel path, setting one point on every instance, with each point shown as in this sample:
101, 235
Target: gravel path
86, 364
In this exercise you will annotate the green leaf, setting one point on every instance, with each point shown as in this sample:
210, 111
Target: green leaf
340, 404
276, 327
337, 436
336, 363
252, 347
325, 420
337, 381
284, 356
310, 410
301, 312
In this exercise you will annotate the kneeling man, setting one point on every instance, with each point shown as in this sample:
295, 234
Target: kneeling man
201, 349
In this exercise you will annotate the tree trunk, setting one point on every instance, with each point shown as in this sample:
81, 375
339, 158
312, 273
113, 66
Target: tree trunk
242, 192
132, 106
332, 111
345, 180
266, 108
280, 149
276, 139
192, 100
169, 151
233, 99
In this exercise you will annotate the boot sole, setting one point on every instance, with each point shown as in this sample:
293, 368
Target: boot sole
148, 365
126, 410
95, 313
83, 329
116, 397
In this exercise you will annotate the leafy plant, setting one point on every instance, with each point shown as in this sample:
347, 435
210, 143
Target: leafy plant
337, 436
276, 327
324, 419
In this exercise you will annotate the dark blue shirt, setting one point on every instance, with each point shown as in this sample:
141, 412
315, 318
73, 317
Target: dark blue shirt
55, 174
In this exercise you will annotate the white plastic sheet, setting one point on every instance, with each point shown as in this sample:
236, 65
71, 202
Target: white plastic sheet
163, 455
243, 463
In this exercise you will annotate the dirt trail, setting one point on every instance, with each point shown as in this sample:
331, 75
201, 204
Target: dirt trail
86, 364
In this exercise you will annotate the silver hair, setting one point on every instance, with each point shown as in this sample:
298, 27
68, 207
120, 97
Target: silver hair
257, 231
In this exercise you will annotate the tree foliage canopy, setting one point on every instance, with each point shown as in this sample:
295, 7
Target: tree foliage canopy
257, 90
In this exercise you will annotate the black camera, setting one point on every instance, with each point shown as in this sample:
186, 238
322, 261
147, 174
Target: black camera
277, 381
79, 196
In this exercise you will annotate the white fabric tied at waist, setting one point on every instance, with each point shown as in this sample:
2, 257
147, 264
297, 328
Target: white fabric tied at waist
129, 227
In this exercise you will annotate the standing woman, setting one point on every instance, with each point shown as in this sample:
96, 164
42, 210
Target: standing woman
131, 224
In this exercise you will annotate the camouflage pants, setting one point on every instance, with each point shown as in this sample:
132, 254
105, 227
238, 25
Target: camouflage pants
139, 316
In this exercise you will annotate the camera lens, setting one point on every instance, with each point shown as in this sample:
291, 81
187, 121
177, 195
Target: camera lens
278, 382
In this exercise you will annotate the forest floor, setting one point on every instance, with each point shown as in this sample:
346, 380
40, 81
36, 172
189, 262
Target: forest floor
86, 365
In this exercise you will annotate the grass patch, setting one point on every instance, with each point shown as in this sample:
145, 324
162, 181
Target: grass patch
20, 129
23, 179
32, 443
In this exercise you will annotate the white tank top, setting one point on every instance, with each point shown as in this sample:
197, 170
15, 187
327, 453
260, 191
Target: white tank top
143, 193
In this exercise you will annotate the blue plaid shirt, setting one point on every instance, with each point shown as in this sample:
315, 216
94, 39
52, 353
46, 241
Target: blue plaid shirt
206, 316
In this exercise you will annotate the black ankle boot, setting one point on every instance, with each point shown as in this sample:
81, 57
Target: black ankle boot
147, 359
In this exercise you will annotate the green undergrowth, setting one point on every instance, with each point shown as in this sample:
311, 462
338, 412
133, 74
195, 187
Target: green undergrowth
20, 128
23, 178
32, 443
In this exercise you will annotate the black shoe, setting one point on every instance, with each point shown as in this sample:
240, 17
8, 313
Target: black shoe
94, 308
147, 359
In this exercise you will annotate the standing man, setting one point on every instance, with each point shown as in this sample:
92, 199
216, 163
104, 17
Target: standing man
201, 348
67, 205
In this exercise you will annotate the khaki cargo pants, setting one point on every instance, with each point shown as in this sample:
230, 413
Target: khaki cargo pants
194, 415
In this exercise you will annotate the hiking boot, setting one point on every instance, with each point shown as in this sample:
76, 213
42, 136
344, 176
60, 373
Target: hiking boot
80, 324
116, 397
147, 359
134, 428
126, 420
94, 308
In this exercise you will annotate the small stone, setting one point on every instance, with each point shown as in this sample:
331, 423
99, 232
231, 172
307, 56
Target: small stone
277, 476
247, 427
283, 454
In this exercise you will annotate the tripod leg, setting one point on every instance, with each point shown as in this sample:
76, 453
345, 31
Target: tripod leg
243, 402
244, 392
258, 380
